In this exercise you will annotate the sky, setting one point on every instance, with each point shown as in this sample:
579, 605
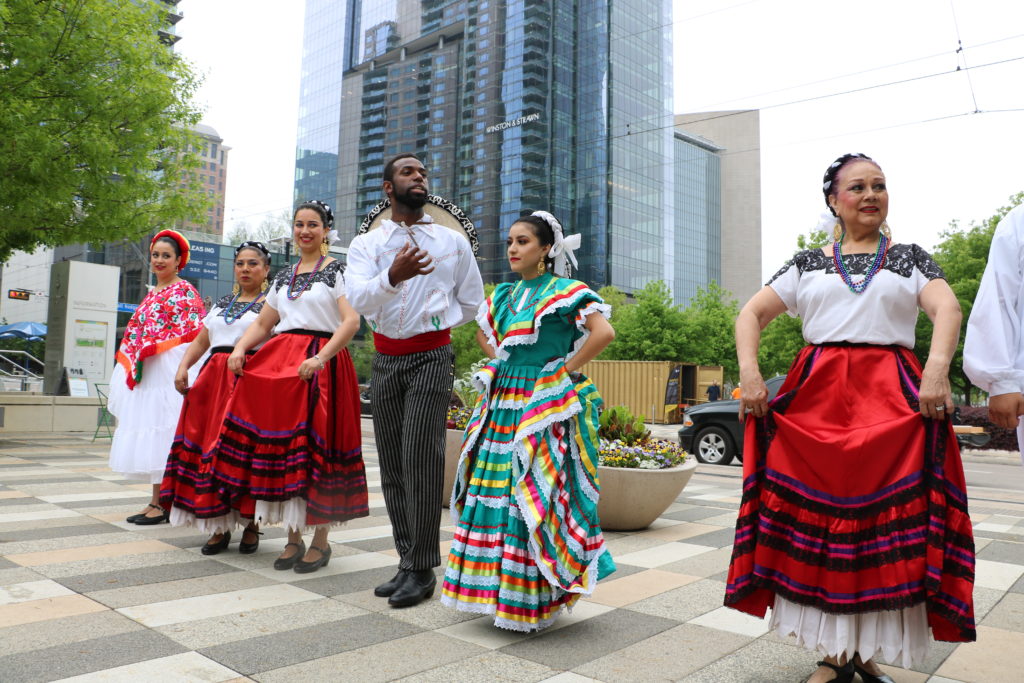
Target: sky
878, 77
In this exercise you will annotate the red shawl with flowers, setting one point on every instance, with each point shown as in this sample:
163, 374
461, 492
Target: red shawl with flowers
165, 319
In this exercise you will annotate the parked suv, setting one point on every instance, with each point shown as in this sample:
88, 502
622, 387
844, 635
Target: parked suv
712, 431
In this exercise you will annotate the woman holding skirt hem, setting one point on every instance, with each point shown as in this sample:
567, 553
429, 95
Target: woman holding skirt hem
291, 449
188, 492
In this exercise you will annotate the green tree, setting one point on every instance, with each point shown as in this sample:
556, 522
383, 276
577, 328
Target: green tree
95, 114
962, 254
464, 345
650, 329
708, 332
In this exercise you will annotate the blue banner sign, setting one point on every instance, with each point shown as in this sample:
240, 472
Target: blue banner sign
126, 308
202, 261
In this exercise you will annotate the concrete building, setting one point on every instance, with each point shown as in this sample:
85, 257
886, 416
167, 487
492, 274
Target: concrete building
737, 134
212, 176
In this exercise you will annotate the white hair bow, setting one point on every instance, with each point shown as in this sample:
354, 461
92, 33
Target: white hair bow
333, 237
562, 250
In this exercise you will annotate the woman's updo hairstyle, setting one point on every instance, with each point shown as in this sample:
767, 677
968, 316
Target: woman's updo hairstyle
171, 241
542, 230
322, 210
832, 172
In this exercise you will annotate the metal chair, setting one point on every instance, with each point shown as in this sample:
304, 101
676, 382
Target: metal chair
106, 420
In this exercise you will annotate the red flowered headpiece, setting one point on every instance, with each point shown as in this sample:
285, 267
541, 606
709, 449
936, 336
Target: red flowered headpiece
182, 244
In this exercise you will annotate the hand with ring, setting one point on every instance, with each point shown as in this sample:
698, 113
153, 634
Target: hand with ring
935, 398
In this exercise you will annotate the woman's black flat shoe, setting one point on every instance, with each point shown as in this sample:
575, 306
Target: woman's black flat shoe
307, 567
134, 519
871, 678
214, 548
249, 548
150, 521
844, 673
283, 563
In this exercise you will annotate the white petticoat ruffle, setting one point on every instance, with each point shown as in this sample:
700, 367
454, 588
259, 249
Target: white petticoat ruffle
146, 416
898, 637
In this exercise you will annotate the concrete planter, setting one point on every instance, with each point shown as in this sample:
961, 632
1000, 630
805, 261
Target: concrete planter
633, 498
452, 446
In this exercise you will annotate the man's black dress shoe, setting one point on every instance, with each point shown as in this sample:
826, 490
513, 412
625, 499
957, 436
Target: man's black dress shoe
132, 519
388, 588
149, 521
283, 563
303, 567
418, 586
214, 548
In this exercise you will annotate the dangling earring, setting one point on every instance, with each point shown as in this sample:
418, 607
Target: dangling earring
886, 231
837, 232
541, 267
236, 289
264, 286
324, 249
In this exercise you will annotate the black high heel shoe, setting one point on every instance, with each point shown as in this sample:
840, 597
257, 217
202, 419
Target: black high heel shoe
303, 567
149, 521
844, 673
214, 548
283, 563
871, 678
249, 548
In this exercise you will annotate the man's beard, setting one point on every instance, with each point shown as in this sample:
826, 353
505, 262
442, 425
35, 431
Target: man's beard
410, 200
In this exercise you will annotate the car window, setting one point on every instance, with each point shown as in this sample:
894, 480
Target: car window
773, 386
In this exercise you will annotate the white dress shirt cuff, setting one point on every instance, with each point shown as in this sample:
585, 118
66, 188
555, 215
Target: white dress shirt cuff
385, 282
1005, 386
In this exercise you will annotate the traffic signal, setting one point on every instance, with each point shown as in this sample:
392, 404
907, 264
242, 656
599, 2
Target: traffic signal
19, 294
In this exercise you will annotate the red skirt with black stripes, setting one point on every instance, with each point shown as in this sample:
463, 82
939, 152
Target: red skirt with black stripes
852, 501
285, 438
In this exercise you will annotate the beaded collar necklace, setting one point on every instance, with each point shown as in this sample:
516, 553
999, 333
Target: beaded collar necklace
293, 295
537, 295
876, 265
230, 319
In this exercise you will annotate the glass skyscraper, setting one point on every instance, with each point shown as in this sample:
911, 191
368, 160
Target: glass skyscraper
514, 106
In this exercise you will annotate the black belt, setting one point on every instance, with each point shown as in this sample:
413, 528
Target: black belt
309, 333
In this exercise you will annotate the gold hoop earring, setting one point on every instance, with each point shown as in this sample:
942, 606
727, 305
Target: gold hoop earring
264, 286
541, 267
886, 231
324, 249
837, 232
236, 289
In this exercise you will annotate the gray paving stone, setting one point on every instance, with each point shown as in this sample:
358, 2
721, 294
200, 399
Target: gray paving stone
622, 570
86, 656
484, 668
1003, 551
1007, 614
311, 642
984, 600
121, 562
8, 505
372, 545
714, 539
90, 528
67, 630
761, 661
114, 535
579, 643
684, 603
213, 631
669, 655
51, 479
145, 594
7, 564
695, 514
339, 584
1018, 587
705, 564
90, 583
938, 652
11, 573
379, 663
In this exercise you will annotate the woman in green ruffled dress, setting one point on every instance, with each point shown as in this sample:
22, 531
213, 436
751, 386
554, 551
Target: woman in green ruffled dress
528, 540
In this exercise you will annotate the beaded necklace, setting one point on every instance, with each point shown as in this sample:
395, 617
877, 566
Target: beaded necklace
292, 295
229, 319
880, 253
514, 296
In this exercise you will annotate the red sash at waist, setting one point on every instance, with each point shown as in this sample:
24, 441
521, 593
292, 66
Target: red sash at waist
428, 341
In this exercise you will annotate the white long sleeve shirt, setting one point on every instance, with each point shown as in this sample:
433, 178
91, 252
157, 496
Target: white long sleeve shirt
994, 348
447, 297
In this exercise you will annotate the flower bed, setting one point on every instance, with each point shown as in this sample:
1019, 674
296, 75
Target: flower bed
650, 454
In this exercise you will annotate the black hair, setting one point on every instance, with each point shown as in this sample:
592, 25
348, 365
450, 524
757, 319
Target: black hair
389, 168
171, 241
322, 209
255, 246
543, 232
832, 172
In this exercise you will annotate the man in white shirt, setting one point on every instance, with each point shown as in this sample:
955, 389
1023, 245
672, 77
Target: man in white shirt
994, 348
413, 280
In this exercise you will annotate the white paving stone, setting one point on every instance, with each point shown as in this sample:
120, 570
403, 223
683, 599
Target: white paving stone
734, 621
32, 590
663, 554
56, 513
998, 575
206, 606
189, 666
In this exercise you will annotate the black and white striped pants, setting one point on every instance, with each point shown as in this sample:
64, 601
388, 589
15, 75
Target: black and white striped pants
410, 396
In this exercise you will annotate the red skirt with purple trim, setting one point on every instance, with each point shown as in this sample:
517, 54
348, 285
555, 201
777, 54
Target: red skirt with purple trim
284, 438
852, 501
188, 483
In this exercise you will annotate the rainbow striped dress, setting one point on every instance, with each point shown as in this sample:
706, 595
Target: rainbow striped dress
528, 541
